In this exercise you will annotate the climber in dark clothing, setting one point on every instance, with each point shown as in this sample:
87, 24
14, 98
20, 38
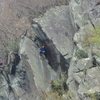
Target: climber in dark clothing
15, 63
13, 70
1, 63
94, 62
43, 50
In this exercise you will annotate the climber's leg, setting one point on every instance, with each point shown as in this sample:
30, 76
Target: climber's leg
13, 70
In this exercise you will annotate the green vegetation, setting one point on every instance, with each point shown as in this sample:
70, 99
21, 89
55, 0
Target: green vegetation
52, 96
93, 96
59, 85
93, 38
91, 41
58, 88
70, 95
81, 54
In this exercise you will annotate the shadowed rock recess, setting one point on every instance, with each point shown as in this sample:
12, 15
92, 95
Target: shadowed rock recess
69, 30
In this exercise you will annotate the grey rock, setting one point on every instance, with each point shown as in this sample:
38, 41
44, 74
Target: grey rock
91, 83
85, 11
43, 73
58, 25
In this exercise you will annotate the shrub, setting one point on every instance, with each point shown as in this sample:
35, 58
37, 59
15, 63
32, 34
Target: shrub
91, 41
93, 96
81, 54
93, 38
59, 85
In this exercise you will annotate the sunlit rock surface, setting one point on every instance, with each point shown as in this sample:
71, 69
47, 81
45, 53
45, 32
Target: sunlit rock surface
58, 25
61, 28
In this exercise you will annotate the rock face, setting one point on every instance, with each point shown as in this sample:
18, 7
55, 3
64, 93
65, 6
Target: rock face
43, 73
61, 29
85, 11
86, 16
58, 25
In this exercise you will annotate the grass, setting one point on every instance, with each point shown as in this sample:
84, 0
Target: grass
94, 95
53, 96
93, 38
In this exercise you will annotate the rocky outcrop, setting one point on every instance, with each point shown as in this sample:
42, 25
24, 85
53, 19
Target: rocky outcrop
58, 25
33, 73
61, 30
43, 73
16, 15
81, 71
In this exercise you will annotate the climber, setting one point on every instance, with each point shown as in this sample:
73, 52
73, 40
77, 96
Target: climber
94, 62
1, 65
1, 62
43, 51
13, 61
